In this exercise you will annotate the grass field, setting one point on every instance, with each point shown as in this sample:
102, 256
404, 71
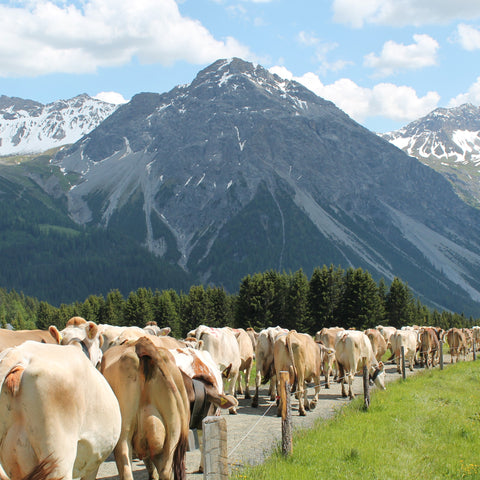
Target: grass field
427, 427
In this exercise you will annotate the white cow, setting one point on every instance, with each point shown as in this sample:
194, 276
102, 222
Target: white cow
265, 366
409, 340
222, 345
353, 350
55, 404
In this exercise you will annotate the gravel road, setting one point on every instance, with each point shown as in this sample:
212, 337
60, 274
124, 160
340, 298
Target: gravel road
254, 432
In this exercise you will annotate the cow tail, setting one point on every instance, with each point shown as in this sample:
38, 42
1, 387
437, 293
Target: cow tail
293, 369
179, 467
43, 470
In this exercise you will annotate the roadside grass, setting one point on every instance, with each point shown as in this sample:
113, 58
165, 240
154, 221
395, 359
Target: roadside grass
427, 427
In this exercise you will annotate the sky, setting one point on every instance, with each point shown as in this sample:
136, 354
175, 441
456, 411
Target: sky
383, 62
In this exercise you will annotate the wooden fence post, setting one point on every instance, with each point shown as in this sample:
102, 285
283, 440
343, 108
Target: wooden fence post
366, 387
441, 354
287, 446
215, 448
402, 359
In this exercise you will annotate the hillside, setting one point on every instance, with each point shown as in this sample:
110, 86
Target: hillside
241, 171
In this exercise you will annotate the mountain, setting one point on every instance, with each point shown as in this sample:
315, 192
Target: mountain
238, 172
30, 127
241, 171
448, 140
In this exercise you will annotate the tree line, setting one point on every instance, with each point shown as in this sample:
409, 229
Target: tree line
331, 297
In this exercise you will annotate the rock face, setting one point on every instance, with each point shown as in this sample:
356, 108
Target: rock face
448, 140
30, 127
241, 171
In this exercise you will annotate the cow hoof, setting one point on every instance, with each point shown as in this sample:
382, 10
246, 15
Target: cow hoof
302, 413
255, 402
247, 396
232, 411
312, 405
327, 386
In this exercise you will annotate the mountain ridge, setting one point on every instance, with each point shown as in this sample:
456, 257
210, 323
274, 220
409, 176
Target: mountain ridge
241, 171
29, 127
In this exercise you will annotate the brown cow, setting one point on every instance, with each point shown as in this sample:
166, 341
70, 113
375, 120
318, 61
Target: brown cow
457, 343
429, 347
12, 338
379, 345
154, 406
298, 354
327, 337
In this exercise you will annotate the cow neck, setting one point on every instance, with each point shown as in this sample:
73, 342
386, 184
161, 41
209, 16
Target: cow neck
83, 345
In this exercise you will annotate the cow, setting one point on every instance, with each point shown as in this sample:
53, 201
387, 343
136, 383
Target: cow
457, 343
223, 347
408, 340
12, 338
327, 336
298, 354
264, 361
246, 360
153, 329
85, 335
113, 335
154, 405
476, 337
353, 351
54, 404
387, 333
253, 337
429, 346
379, 345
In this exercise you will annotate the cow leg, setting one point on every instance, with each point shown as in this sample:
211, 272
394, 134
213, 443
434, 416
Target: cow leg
314, 402
350, 386
327, 372
231, 389
247, 379
341, 378
239, 390
123, 459
152, 471
302, 395
273, 388
258, 381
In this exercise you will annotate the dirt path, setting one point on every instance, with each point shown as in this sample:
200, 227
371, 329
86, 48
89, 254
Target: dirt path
254, 432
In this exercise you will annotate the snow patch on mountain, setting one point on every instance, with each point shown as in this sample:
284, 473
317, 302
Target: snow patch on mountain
34, 128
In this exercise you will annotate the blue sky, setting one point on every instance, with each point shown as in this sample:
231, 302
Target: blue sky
384, 62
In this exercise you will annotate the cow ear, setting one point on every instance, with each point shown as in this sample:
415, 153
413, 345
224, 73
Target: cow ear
226, 372
221, 400
53, 331
92, 330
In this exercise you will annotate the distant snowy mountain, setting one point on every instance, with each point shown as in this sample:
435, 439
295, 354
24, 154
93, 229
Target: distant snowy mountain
31, 127
448, 140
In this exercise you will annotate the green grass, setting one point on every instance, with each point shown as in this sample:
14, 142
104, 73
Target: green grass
427, 427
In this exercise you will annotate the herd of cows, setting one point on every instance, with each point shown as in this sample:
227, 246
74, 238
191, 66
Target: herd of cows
70, 398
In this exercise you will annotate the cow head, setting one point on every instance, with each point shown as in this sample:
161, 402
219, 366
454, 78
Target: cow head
87, 336
378, 376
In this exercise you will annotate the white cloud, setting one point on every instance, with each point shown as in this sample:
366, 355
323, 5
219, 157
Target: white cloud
398, 103
403, 12
42, 36
468, 37
111, 97
472, 96
396, 56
